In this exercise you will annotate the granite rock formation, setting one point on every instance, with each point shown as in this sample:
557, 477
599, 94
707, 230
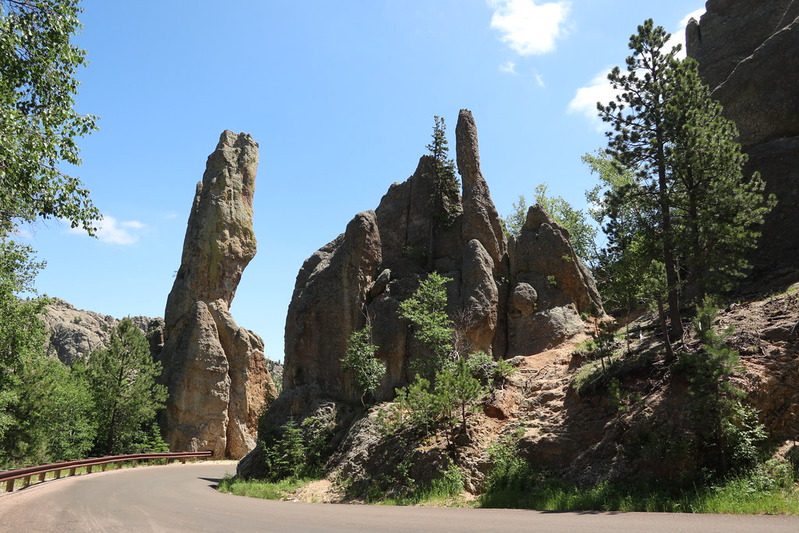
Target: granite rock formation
73, 333
215, 370
748, 53
506, 299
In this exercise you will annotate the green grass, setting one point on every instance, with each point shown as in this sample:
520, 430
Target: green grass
745, 495
266, 490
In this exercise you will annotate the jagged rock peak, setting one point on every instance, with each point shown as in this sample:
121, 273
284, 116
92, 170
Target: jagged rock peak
480, 218
215, 370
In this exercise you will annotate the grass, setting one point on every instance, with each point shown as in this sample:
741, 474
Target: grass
521, 488
266, 490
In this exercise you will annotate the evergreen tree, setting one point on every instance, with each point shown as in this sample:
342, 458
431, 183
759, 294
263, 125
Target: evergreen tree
684, 200
719, 211
639, 140
447, 189
426, 310
122, 378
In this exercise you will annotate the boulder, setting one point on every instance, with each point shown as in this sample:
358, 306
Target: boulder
748, 53
215, 370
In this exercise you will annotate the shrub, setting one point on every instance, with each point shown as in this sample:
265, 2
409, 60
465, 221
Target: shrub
360, 359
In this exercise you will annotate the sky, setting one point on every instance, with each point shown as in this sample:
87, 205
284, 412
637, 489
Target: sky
340, 95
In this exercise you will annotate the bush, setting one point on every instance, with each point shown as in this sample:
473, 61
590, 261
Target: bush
360, 359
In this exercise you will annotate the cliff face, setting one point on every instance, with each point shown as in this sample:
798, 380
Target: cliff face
73, 334
215, 370
748, 52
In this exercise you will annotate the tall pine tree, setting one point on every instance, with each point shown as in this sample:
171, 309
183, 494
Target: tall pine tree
695, 211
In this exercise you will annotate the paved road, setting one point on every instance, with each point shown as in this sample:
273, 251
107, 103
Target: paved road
182, 498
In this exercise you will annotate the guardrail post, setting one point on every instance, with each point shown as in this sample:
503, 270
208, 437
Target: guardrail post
58, 474
72, 471
26, 482
89, 469
10, 485
41, 476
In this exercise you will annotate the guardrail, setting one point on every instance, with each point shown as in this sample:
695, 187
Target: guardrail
9, 477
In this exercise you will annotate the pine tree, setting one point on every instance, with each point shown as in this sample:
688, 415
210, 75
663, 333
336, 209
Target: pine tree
447, 189
687, 203
122, 378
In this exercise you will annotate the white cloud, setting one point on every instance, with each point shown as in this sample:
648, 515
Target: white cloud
508, 67
599, 89
112, 231
539, 80
678, 37
586, 98
527, 26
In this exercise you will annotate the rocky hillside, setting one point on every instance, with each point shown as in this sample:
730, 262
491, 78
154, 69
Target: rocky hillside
74, 333
747, 53
507, 298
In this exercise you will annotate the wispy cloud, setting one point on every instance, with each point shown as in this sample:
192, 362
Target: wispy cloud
508, 67
113, 231
586, 98
529, 27
539, 80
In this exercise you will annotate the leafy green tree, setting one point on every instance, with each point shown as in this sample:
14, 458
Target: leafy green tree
458, 389
514, 222
361, 360
426, 310
39, 126
122, 378
447, 188
582, 234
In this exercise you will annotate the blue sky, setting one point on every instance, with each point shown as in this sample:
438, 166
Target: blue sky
341, 97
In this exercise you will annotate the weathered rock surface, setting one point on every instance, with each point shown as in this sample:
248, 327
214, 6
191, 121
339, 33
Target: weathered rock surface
748, 52
378, 262
215, 370
73, 333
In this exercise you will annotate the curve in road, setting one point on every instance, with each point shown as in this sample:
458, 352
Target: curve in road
183, 498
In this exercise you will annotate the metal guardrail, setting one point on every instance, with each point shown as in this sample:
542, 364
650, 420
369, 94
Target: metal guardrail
9, 477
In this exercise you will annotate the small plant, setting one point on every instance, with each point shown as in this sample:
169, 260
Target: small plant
553, 281
360, 359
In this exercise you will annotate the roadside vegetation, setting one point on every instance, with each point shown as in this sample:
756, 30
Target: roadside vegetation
48, 411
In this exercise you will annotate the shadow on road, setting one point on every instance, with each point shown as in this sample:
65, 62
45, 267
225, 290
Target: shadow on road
214, 481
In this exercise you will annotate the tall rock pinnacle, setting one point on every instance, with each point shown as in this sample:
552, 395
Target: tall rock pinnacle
215, 370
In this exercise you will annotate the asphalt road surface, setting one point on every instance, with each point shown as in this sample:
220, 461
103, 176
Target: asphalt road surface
182, 498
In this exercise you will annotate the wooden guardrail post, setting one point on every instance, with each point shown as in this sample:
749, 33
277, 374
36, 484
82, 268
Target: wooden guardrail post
10, 485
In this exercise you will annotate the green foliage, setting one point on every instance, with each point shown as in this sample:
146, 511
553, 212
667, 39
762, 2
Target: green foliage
294, 451
457, 389
447, 188
122, 378
729, 433
673, 192
285, 453
267, 490
514, 222
582, 234
426, 310
360, 359
39, 126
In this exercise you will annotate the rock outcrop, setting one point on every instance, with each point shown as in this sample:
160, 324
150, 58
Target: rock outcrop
215, 370
73, 333
748, 52
506, 299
